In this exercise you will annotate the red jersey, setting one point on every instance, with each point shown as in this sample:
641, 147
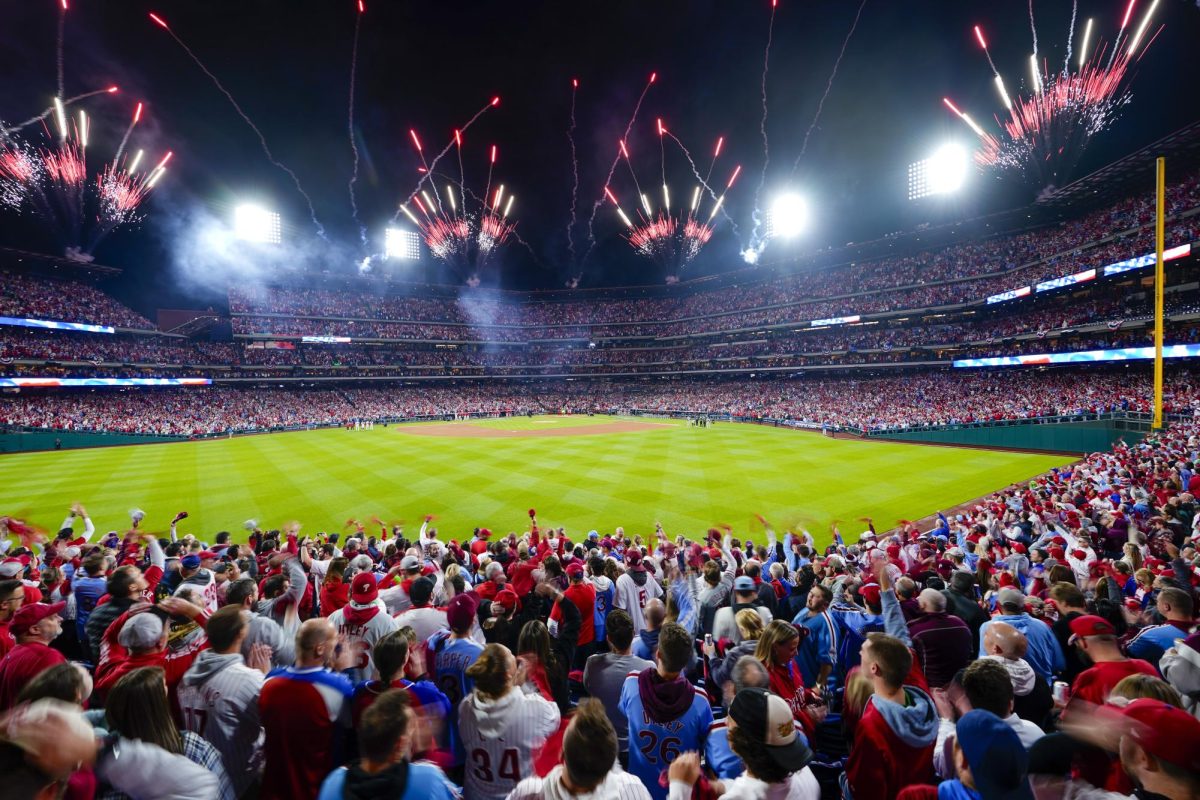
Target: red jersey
302, 713
7, 642
583, 595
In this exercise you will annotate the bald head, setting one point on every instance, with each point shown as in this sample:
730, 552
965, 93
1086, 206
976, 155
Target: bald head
655, 614
1003, 639
931, 601
315, 643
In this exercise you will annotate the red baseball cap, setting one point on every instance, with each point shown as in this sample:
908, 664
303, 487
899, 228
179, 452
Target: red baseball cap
208, 554
507, 598
575, 570
1165, 732
364, 589
33, 613
1090, 625
870, 593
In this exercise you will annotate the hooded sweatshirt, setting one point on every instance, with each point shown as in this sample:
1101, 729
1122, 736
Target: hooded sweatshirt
893, 746
218, 698
500, 738
646, 644
402, 781
616, 786
666, 717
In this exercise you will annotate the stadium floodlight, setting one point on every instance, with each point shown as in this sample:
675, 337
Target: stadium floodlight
943, 172
788, 216
253, 223
399, 243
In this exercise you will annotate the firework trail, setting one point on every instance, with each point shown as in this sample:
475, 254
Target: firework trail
62, 24
613, 167
574, 175
432, 165
1033, 27
829, 85
1070, 36
704, 181
362, 229
762, 125
1124, 24
137, 116
5, 132
262, 140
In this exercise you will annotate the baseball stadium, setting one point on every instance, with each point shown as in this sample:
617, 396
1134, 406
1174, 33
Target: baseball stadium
382, 415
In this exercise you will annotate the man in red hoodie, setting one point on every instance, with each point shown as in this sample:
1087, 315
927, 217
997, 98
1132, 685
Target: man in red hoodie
893, 742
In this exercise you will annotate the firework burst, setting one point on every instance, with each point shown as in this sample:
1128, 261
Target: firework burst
671, 236
462, 229
52, 182
1045, 132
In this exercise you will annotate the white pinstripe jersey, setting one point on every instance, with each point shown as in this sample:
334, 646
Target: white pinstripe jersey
224, 710
617, 786
500, 738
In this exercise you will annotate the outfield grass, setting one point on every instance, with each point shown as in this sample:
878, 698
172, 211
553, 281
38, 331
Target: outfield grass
689, 478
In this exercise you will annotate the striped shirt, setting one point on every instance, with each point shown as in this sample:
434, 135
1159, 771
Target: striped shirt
617, 786
220, 703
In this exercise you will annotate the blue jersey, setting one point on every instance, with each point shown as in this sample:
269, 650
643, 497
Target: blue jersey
654, 745
1151, 642
819, 647
448, 665
604, 604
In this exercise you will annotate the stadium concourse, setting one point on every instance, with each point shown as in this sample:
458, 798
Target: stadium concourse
1042, 639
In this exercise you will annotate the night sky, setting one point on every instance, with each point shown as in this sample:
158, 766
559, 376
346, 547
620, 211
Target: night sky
431, 65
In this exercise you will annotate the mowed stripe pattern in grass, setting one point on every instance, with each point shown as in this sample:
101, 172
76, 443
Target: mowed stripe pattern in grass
687, 478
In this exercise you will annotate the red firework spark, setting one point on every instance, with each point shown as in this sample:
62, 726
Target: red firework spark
65, 165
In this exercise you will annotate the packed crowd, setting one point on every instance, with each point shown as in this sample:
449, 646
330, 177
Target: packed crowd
35, 297
957, 274
867, 404
1098, 318
1039, 642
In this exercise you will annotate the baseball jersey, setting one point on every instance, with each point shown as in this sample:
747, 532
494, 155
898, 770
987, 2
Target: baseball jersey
605, 592
617, 786
425, 622
654, 745
303, 713
819, 647
448, 661
633, 598
583, 595
365, 625
500, 738
218, 699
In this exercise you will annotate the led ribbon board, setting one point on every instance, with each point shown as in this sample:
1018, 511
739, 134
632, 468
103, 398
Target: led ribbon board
1082, 357
55, 325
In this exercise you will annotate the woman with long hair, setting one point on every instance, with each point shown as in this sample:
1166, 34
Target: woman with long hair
137, 708
335, 589
501, 725
543, 668
776, 650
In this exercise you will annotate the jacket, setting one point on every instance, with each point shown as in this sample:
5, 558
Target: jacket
893, 746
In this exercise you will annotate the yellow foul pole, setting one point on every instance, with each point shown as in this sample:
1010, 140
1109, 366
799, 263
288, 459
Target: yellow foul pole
1159, 284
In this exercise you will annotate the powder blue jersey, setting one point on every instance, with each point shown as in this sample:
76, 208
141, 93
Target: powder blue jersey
448, 665
654, 745
604, 604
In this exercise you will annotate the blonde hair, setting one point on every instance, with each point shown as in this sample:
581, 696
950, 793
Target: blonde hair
1138, 686
749, 624
776, 633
